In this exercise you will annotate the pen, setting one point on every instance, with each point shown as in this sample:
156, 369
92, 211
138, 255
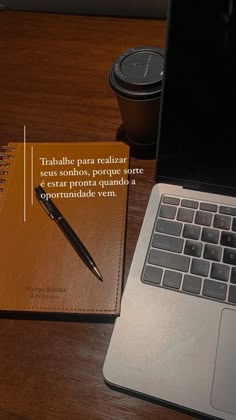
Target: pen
67, 230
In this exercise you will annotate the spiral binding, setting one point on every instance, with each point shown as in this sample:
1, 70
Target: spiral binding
4, 150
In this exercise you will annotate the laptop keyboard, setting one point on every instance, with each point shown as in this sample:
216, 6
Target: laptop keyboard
193, 249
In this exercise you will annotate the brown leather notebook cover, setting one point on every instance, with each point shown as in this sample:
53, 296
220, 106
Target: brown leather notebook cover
39, 269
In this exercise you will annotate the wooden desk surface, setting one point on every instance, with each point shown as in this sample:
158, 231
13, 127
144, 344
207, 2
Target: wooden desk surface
53, 79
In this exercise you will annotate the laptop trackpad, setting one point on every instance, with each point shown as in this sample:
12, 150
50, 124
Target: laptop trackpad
224, 381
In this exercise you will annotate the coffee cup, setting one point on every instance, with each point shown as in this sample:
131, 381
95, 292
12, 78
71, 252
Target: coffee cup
136, 78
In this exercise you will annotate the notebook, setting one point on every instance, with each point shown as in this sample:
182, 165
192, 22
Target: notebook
175, 340
40, 270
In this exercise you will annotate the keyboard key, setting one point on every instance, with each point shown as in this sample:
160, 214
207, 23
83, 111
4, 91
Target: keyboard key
152, 274
231, 211
185, 215
220, 271
222, 222
168, 212
200, 267
192, 284
169, 227
232, 294
228, 239
169, 243
233, 275
208, 207
234, 224
203, 218
169, 260
214, 289
172, 279
190, 203
229, 256
193, 248
210, 235
171, 200
191, 231
212, 252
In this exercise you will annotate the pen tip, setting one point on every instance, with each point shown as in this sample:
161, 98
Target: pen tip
97, 273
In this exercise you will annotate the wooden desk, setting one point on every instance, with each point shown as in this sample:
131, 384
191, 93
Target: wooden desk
53, 79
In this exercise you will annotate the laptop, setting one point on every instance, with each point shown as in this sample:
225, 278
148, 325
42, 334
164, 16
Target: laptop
175, 339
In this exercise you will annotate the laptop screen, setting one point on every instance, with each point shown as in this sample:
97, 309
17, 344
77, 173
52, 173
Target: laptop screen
197, 138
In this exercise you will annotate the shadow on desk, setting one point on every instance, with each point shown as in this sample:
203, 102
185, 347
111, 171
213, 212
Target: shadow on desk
138, 151
33, 316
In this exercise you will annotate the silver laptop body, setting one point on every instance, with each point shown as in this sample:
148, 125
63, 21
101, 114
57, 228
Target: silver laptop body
175, 339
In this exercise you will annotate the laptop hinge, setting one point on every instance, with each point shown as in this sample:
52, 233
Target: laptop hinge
213, 189
193, 186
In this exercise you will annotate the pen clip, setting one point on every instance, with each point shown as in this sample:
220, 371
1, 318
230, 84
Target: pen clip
46, 207
47, 204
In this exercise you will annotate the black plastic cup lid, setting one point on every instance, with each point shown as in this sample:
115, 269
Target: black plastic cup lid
138, 72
